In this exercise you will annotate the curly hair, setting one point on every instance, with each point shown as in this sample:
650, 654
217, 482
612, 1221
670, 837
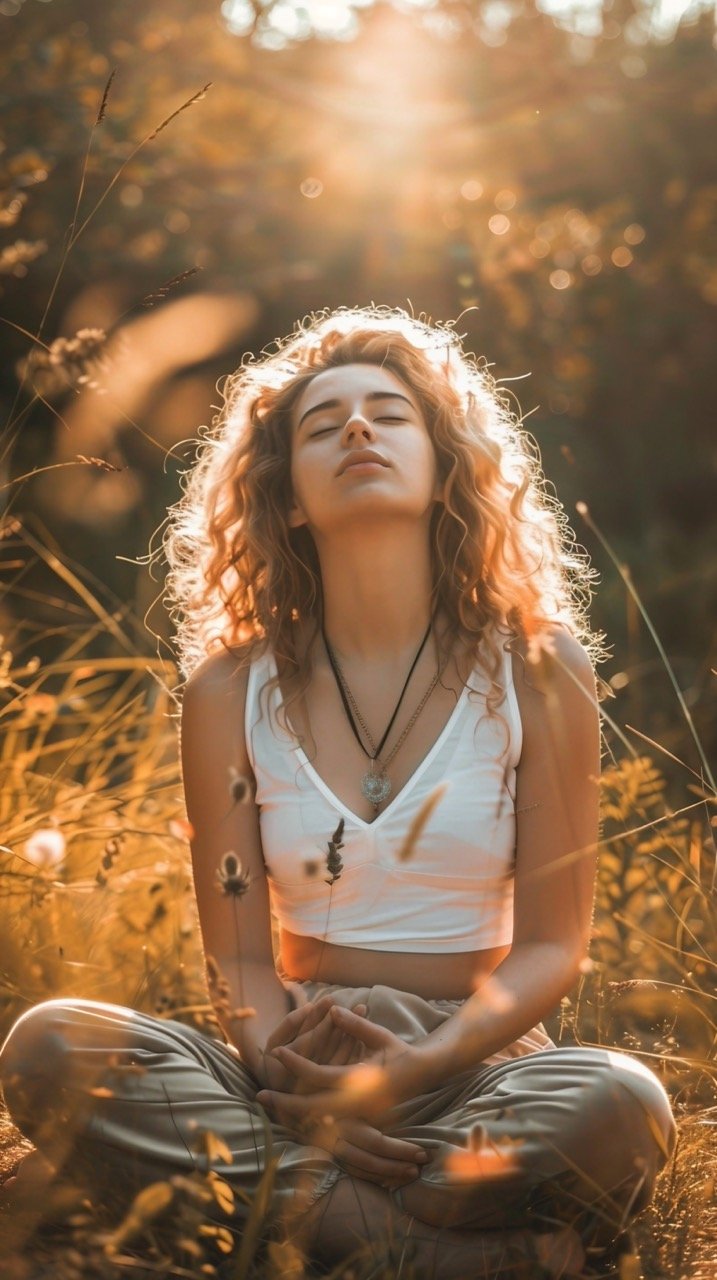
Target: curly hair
501, 548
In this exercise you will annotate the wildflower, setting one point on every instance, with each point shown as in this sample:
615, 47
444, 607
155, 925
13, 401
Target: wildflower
46, 847
230, 878
239, 786
101, 463
19, 253
334, 865
66, 363
11, 207
85, 345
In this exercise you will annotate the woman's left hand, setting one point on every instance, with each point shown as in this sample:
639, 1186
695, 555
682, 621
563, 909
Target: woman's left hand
369, 1089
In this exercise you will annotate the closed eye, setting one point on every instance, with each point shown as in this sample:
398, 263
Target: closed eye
323, 430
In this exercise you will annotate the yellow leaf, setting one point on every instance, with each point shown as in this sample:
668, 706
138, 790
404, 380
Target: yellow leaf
152, 1200
223, 1238
222, 1192
215, 1148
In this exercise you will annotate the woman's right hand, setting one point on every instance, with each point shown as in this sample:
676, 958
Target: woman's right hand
357, 1147
311, 1032
363, 1151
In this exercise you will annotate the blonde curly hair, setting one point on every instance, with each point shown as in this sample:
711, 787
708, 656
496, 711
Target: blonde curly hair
501, 549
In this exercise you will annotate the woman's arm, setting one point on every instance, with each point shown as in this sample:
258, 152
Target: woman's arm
556, 845
557, 818
236, 926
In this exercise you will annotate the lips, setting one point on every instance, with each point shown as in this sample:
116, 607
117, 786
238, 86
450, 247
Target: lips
362, 455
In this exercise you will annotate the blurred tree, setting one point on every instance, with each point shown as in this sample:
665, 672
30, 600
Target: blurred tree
555, 185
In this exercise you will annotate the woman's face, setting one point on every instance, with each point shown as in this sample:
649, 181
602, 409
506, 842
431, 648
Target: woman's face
341, 413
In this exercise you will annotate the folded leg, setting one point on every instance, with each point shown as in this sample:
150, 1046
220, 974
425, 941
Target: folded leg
128, 1098
573, 1134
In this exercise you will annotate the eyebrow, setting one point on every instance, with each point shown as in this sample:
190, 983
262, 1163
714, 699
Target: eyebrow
372, 395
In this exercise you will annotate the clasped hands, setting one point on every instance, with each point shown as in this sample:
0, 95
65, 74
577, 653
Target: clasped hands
331, 1079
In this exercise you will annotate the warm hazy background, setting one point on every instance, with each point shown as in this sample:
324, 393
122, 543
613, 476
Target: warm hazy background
548, 181
554, 173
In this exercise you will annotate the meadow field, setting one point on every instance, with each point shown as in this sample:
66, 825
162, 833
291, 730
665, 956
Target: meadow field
575, 236
97, 901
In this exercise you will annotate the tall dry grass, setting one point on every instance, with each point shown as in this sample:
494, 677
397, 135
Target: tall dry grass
96, 893
97, 902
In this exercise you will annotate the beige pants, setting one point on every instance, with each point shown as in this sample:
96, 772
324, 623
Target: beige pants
572, 1133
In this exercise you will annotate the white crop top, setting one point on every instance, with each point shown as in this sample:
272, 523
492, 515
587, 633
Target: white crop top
455, 891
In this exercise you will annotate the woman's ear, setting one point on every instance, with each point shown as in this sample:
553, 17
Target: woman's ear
296, 516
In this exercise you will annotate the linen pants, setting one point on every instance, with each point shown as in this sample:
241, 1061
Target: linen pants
536, 1133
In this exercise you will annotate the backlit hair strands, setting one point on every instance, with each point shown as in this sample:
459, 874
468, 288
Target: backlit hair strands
500, 544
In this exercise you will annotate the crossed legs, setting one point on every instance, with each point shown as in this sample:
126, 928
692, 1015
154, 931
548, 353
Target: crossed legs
131, 1095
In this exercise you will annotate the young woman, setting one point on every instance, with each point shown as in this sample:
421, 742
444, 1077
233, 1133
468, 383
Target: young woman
390, 736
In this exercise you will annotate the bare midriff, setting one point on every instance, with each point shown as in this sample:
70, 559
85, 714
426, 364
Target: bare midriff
433, 975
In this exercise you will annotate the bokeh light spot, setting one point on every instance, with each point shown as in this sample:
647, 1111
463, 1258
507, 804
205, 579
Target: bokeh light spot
311, 188
622, 257
499, 224
634, 234
505, 200
560, 279
131, 196
592, 264
472, 190
177, 221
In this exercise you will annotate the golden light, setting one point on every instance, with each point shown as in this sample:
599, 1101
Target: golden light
484, 1160
592, 264
311, 188
560, 279
364, 1080
471, 190
622, 257
493, 994
505, 199
499, 224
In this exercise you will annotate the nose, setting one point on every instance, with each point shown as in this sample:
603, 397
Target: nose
357, 425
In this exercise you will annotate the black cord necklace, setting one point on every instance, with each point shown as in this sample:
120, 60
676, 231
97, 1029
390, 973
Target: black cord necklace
376, 787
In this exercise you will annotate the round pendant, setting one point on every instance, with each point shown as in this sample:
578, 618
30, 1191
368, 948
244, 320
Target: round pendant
375, 786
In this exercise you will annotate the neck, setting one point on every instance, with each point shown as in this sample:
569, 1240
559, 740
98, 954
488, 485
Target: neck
377, 596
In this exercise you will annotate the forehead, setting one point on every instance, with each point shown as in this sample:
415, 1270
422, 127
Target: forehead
348, 380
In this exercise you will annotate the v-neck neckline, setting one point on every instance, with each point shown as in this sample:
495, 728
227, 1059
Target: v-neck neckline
408, 784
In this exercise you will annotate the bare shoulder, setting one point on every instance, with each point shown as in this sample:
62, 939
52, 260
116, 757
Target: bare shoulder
554, 671
565, 657
221, 672
213, 708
